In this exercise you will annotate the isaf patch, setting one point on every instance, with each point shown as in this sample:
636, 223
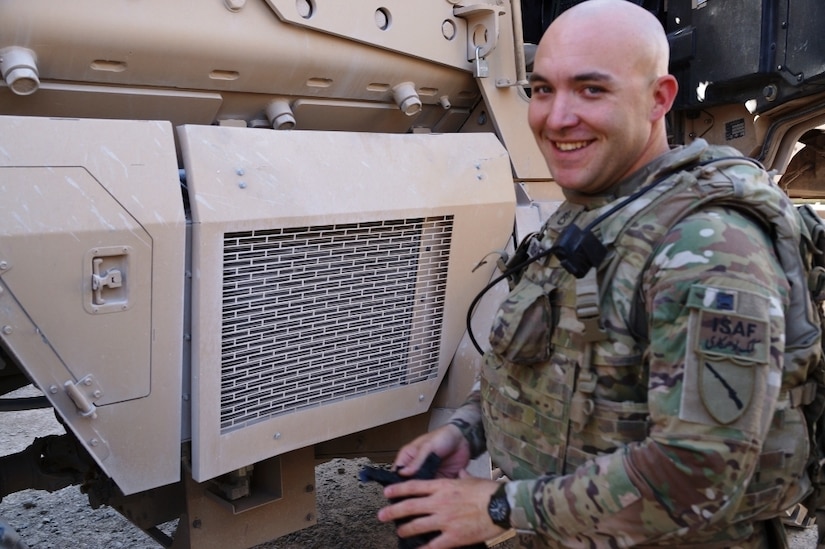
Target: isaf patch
727, 335
730, 340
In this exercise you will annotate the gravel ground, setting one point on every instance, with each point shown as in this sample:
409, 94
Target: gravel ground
63, 519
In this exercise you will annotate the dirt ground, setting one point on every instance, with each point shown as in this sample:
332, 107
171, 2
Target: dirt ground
64, 520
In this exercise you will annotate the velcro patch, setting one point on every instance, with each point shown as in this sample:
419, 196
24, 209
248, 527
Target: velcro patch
728, 345
726, 335
726, 389
727, 359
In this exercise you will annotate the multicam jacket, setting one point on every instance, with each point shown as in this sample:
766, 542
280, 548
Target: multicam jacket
682, 432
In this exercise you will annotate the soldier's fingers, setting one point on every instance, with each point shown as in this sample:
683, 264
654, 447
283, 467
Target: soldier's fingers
407, 508
420, 525
409, 489
411, 458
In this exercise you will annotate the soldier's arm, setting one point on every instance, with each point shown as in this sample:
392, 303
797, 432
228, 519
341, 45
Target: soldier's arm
468, 420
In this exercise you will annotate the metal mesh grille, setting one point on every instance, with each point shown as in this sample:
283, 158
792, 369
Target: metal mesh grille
320, 314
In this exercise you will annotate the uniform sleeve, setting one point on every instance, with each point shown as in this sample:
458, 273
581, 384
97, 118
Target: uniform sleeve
715, 296
468, 419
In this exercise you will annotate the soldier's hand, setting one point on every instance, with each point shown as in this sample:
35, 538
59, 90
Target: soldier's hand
446, 442
457, 508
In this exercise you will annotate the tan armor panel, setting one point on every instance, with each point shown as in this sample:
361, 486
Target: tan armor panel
366, 245
91, 253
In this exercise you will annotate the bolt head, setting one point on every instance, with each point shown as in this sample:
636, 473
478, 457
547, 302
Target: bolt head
234, 5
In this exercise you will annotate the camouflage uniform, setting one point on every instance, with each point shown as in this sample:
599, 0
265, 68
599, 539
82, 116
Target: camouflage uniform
659, 415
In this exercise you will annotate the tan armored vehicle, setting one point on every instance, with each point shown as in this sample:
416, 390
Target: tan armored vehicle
241, 237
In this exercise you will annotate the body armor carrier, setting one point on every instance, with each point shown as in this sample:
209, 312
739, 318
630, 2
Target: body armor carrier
544, 412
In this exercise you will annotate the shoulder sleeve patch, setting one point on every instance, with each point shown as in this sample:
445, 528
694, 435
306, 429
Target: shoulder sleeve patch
727, 357
731, 324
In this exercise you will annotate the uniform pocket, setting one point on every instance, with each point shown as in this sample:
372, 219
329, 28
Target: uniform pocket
524, 324
611, 425
780, 480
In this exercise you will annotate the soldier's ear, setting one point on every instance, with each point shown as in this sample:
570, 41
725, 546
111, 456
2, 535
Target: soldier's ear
664, 91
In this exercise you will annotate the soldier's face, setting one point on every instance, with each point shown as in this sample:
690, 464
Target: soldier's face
590, 110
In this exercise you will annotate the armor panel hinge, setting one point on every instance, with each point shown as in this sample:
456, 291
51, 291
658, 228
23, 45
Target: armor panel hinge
83, 394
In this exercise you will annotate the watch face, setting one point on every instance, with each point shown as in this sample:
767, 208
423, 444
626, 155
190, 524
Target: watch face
499, 510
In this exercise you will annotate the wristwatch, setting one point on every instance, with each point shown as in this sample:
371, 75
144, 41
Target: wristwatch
499, 507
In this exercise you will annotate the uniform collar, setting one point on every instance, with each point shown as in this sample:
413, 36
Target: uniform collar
671, 161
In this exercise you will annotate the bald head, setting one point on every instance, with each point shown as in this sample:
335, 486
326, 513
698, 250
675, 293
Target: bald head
618, 27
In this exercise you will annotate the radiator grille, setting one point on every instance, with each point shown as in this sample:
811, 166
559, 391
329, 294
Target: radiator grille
320, 314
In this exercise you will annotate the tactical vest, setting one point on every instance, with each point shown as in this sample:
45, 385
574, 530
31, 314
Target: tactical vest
543, 410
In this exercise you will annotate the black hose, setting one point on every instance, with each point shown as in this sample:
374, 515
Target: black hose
20, 404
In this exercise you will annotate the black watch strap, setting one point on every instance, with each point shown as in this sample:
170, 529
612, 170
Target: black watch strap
499, 507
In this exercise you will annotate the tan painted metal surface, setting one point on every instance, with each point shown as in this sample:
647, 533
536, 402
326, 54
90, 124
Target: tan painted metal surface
73, 194
163, 166
241, 181
335, 64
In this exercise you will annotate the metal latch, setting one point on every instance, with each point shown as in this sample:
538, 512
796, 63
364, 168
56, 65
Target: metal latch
84, 393
480, 69
112, 278
107, 270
